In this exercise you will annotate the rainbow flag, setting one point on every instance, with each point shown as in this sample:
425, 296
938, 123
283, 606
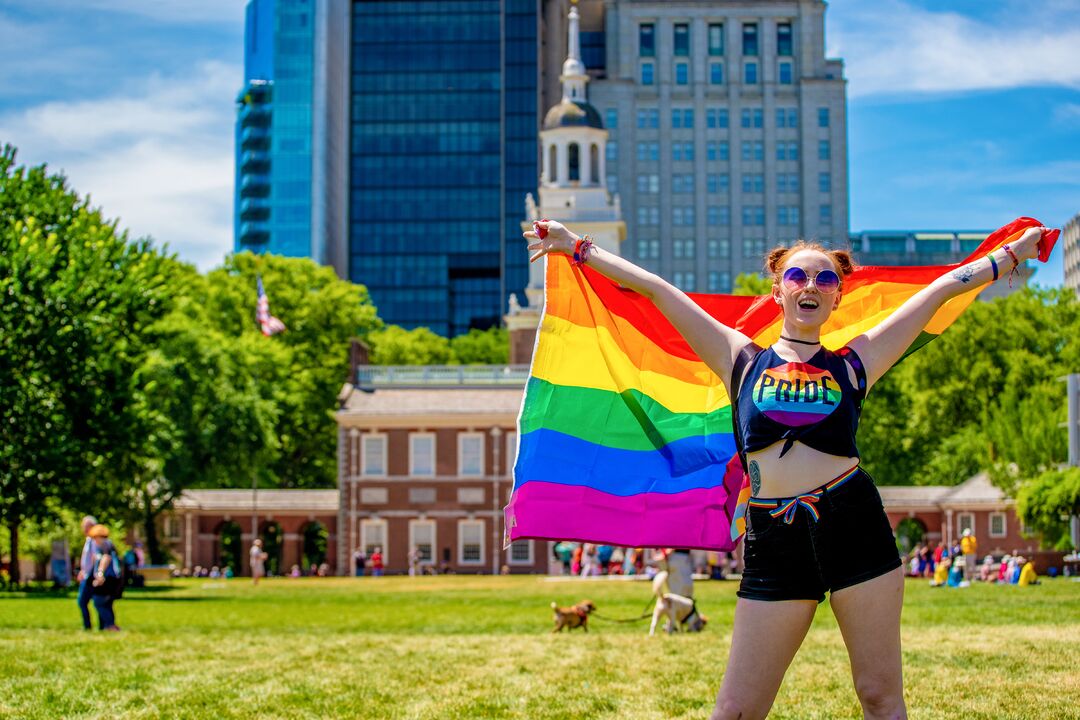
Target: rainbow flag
625, 436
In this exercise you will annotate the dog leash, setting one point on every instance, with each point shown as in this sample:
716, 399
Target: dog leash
644, 615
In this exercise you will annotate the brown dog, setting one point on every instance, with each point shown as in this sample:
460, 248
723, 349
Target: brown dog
573, 616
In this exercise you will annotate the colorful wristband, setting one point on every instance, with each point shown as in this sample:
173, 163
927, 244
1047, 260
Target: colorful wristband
993, 264
1009, 250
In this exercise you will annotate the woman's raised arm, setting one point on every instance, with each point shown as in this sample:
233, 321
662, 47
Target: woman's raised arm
884, 345
715, 343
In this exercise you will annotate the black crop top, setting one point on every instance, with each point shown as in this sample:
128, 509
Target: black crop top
813, 402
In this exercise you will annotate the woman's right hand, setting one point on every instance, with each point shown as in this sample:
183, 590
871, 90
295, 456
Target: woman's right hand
558, 239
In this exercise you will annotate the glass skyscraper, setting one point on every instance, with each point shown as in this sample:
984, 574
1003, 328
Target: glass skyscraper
444, 149
290, 131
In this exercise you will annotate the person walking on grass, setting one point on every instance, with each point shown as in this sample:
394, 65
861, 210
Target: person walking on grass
809, 496
258, 558
106, 580
86, 572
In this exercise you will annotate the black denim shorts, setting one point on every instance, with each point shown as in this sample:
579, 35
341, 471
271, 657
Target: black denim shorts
821, 541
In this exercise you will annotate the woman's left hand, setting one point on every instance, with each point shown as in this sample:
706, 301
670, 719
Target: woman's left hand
1027, 247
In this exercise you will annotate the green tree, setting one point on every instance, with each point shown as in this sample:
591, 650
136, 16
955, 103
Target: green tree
394, 345
752, 284
203, 419
983, 396
76, 300
482, 347
301, 371
1046, 503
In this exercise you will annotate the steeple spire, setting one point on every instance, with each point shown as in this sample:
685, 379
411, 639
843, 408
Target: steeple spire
573, 70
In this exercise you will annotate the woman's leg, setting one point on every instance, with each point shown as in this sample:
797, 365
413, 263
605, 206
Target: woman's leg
869, 618
764, 640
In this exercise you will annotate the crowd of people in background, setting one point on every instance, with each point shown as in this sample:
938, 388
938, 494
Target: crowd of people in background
588, 559
958, 565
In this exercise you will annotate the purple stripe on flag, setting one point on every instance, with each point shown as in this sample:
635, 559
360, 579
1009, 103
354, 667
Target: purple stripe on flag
691, 519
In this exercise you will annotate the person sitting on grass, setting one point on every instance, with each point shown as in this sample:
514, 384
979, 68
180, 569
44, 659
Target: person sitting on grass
941, 573
1028, 576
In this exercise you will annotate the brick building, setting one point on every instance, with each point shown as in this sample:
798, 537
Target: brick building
425, 460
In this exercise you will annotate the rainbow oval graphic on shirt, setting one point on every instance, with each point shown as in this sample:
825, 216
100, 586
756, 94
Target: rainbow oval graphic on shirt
796, 394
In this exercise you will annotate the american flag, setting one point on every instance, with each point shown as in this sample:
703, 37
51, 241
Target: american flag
269, 324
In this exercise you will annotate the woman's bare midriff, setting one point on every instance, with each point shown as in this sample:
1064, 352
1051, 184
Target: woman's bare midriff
800, 470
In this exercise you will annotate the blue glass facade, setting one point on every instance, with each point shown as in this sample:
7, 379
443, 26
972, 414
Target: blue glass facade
274, 129
444, 149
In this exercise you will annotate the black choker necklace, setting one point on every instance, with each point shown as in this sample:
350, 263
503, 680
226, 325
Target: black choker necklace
801, 342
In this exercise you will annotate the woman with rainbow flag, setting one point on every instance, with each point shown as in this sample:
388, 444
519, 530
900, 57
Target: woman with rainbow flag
813, 519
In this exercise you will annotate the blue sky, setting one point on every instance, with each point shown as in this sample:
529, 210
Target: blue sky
961, 115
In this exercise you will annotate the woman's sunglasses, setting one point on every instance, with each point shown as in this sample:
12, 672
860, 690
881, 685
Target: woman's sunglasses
826, 281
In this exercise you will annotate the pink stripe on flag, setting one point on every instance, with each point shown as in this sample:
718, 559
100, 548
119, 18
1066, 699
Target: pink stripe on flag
696, 518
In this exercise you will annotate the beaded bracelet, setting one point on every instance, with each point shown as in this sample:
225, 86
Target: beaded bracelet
582, 248
993, 264
1016, 262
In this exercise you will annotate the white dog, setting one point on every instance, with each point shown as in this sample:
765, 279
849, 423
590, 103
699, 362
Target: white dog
681, 613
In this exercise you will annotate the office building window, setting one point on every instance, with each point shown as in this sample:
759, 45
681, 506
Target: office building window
750, 73
682, 74
719, 248
613, 183
611, 152
823, 117
781, 118
682, 183
716, 39
784, 73
649, 249
717, 150
648, 184
648, 216
647, 40
716, 117
682, 216
611, 118
753, 182
716, 73
648, 119
716, 182
684, 281
750, 39
682, 40
787, 215
783, 39
823, 150
745, 118
792, 118
684, 249
826, 214
682, 151
753, 215
759, 118
824, 182
682, 118
646, 73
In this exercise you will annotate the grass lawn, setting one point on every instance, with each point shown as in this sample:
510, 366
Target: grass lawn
480, 647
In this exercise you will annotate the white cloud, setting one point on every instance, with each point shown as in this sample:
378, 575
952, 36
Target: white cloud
159, 158
891, 47
1067, 113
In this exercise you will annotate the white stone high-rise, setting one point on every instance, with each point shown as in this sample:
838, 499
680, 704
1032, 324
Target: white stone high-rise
728, 129
573, 180
1070, 244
